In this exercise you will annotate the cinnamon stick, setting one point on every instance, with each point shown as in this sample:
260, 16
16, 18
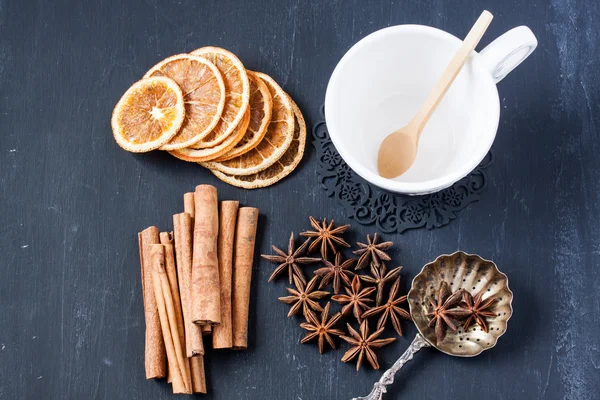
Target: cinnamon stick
182, 224
169, 376
245, 236
198, 375
166, 239
197, 347
206, 329
155, 357
222, 334
168, 323
190, 208
189, 204
206, 291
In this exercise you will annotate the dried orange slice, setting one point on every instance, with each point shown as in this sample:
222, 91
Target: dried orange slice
237, 90
282, 168
203, 92
211, 153
261, 106
148, 115
276, 141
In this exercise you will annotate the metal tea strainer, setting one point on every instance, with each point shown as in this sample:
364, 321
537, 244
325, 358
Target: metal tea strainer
459, 270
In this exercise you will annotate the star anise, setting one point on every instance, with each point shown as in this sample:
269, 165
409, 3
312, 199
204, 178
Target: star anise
372, 251
443, 315
363, 345
355, 300
337, 272
304, 296
291, 260
323, 329
325, 236
478, 309
391, 309
380, 278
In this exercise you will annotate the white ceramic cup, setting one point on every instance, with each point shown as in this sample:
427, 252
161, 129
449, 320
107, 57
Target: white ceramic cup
381, 82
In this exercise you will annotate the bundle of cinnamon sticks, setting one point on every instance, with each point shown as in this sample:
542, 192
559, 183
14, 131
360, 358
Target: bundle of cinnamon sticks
195, 282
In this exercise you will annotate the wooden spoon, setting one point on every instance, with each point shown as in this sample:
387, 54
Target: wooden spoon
398, 150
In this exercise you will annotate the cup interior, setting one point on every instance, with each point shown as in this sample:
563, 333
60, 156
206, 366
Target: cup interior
379, 85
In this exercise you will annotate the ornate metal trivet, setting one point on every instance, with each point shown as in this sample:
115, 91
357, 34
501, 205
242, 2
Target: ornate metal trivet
391, 212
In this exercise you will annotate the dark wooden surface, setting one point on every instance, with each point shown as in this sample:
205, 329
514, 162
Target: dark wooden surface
72, 201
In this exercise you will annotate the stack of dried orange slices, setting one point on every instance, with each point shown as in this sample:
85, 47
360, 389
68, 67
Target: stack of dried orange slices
205, 107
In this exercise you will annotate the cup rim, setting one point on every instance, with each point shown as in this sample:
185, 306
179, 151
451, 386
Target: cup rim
414, 188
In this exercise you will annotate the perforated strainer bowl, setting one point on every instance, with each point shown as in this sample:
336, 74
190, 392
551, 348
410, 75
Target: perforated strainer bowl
460, 271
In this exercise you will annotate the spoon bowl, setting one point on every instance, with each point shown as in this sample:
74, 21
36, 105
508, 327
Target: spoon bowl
397, 153
474, 274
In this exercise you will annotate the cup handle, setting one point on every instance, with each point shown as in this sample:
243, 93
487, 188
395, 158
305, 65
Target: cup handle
508, 51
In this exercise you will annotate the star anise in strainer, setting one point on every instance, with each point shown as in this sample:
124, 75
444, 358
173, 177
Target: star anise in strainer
478, 309
326, 236
444, 315
372, 252
322, 328
363, 345
290, 261
304, 296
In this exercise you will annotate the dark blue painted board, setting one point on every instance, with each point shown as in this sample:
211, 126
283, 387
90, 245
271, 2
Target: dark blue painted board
72, 201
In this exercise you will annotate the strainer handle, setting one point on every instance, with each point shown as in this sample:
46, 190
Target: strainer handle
388, 376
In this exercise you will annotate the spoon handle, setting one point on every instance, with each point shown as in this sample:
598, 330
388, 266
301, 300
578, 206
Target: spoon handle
451, 72
388, 376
